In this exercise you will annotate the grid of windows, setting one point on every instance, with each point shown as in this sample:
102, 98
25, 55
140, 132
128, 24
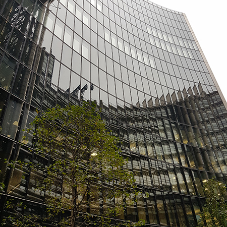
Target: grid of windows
155, 57
142, 66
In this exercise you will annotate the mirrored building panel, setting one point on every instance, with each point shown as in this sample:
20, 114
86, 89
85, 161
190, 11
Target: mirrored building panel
142, 64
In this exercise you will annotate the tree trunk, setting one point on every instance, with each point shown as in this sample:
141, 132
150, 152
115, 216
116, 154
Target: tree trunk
74, 212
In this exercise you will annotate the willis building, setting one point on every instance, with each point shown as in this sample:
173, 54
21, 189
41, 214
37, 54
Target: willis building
143, 66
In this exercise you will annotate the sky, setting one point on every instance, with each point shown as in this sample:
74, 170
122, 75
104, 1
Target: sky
208, 20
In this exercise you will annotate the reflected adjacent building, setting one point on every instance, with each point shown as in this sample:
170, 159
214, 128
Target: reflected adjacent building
143, 66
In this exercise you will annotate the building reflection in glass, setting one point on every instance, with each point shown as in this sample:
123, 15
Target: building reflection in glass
144, 68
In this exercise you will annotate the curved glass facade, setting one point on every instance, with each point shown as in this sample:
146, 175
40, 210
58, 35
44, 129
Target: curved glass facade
143, 66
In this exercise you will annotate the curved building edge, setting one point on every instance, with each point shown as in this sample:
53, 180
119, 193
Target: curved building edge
206, 62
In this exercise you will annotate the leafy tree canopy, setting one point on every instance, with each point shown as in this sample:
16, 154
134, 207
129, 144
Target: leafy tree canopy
215, 209
78, 168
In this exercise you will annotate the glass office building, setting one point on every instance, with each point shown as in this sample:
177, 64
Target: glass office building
143, 66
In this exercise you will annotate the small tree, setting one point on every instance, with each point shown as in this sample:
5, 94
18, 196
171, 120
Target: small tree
78, 168
215, 208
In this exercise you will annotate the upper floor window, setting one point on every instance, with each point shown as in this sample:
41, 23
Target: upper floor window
93, 2
79, 12
68, 36
85, 50
107, 36
149, 30
49, 22
76, 43
133, 53
58, 31
85, 19
99, 6
127, 50
71, 6
63, 2
114, 41
120, 45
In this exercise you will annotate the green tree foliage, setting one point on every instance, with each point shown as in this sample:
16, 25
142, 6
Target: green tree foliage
78, 168
17, 217
215, 209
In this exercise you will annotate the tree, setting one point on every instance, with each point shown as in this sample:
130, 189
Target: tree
215, 208
77, 167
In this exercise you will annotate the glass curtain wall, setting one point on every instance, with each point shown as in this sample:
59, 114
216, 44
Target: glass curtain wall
141, 64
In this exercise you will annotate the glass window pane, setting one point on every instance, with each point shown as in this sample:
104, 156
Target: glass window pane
70, 20
114, 40
61, 12
49, 22
111, 85
15, 44
127, 93
104, 97
119, 90
94, 75
11, 118
107, 35
64, 78
102, 80
161, 212
66, 55
74, 84
71, 6
85, 69
77, 43
85, 19
79, 12
63, 2
21, 81
120, 44
127, 51
76, 62
58, 31
68, 37
93, 2
85, 50
133, 53
55, 75
85, 90
152, 63
47, 39
99, 6
6, 72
